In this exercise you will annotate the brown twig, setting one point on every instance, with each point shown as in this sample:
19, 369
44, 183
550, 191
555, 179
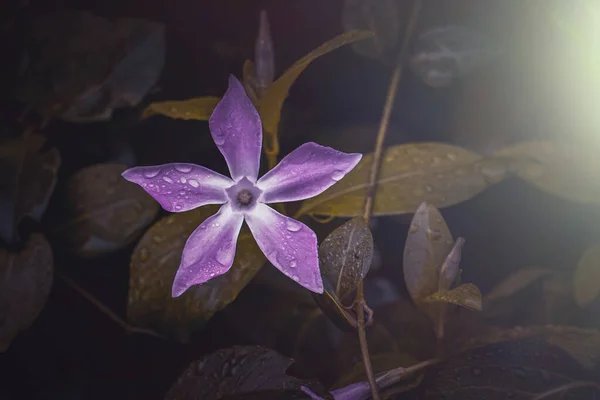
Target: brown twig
105, 310
372, 186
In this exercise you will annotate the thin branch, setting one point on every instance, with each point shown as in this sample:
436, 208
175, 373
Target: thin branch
371, 189
105, 310
565, 388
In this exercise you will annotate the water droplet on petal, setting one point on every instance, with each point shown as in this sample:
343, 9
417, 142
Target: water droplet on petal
337, 175
293, 226
178, 206
167, 179
225, 255
293, 264
219, 138
194, 183
151, 173
296, 278
182, 180
414, 228
183, 168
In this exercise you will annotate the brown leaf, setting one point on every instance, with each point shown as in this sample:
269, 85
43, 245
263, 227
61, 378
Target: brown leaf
108, 212
586, 281
154, 263
236, 371
564, 169
428, 243
25, 282
199, 108
437, 173
516, 282
466, 295
28, 180
450, 269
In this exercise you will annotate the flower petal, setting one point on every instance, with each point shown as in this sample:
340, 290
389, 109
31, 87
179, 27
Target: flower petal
209, 251
179, 186
306, 172
288, 244
237, 131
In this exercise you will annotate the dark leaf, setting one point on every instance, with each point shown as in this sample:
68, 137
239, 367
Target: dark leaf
237, 371
199, 108
428, 243
81, 67
445, 54
517, 369
25, 282
466, 295
381, 17
107, 212
28, 177
154, 263
345, 258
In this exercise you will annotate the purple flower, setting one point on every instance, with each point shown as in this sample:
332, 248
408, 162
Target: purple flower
288, 244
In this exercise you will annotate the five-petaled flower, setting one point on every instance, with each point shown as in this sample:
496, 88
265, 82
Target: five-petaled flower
287, 243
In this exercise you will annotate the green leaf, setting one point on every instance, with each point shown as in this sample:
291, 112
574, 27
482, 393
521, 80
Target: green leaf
154, 263
567, 170
272, 101
466, 295
428, 243
586, 281
516, 282
25, 283
344, 258
28, 177
438, 173
239, 370
450, 269
198, 108
107, 212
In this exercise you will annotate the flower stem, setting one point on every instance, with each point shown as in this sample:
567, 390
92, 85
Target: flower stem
372, 187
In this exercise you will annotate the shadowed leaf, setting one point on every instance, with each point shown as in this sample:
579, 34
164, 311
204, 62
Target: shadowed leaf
108, 212
28, 177
437, 173
581, 344
516, 282
443, 55
345, 258
586, 282
466, 295
272, 101
380, 17
199, 108
154, 263
25, 282
515, 369
428, 243
235, 373
563, 169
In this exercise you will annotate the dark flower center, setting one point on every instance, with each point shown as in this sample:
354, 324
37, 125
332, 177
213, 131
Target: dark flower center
244, 197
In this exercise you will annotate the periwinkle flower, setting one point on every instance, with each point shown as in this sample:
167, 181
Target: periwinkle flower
287, 243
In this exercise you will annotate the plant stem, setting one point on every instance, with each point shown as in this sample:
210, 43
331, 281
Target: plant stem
370, 198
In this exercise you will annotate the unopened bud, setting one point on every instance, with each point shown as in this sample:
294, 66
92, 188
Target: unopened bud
264, 58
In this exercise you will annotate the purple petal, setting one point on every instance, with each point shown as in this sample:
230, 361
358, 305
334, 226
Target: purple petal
288, 244
237, 131
209, 251
180, 187
306, 172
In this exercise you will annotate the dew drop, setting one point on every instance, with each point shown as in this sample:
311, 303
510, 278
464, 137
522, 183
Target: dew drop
414, 228
224, 255
293, 226
151, 173
216, 225
182, 192
219, 138
183, 168
293, 264
178, 206
167, 179
337, 175
194, 183
296, 278
182, 180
